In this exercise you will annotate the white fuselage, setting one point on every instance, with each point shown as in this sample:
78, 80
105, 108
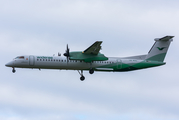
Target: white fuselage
58, 62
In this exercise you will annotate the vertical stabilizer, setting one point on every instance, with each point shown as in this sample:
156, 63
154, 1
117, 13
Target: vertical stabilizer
159, 49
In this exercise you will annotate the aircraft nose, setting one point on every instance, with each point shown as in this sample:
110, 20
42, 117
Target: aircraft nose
9, 64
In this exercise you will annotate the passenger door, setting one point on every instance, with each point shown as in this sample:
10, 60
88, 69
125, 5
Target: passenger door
31, 60
118, 62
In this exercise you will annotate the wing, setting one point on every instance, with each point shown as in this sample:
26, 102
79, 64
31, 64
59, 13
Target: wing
94, 48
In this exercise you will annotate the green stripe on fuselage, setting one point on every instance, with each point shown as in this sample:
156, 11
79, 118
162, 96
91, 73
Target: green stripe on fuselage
121, 67
159, 57
142, 65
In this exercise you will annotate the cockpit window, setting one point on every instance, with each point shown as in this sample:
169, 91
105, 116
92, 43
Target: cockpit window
20, 57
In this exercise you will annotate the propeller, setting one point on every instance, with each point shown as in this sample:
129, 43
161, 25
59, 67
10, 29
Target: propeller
67, 53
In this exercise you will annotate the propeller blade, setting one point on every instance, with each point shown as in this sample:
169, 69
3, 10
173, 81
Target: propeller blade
67, 53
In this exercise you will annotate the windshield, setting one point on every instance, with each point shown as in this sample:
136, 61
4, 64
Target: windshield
20, 57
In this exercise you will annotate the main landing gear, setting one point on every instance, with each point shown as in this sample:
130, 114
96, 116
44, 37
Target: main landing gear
82, 78
91, 71
13, 70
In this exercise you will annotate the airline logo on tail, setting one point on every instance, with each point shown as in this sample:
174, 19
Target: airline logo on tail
161, 48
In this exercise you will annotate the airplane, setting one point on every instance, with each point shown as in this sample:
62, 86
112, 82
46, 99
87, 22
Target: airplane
92, 60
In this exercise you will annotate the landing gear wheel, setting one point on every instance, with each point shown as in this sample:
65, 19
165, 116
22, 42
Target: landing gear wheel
13, 70
91, 71
82, 78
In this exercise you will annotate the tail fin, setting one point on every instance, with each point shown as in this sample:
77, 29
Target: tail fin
159, 49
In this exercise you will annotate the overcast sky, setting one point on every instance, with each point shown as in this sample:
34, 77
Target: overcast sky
127, 28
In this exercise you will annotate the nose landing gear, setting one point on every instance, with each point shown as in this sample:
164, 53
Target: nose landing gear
13, 70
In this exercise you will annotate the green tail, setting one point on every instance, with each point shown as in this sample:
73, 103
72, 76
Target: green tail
159, 49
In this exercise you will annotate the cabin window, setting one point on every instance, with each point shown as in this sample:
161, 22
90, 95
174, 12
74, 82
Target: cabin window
62, 60
54, 60
37, 59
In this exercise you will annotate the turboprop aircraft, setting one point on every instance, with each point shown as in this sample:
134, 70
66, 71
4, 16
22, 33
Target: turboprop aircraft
92, 60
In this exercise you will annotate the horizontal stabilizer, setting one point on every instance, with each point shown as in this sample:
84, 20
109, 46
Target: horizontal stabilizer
164, 38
